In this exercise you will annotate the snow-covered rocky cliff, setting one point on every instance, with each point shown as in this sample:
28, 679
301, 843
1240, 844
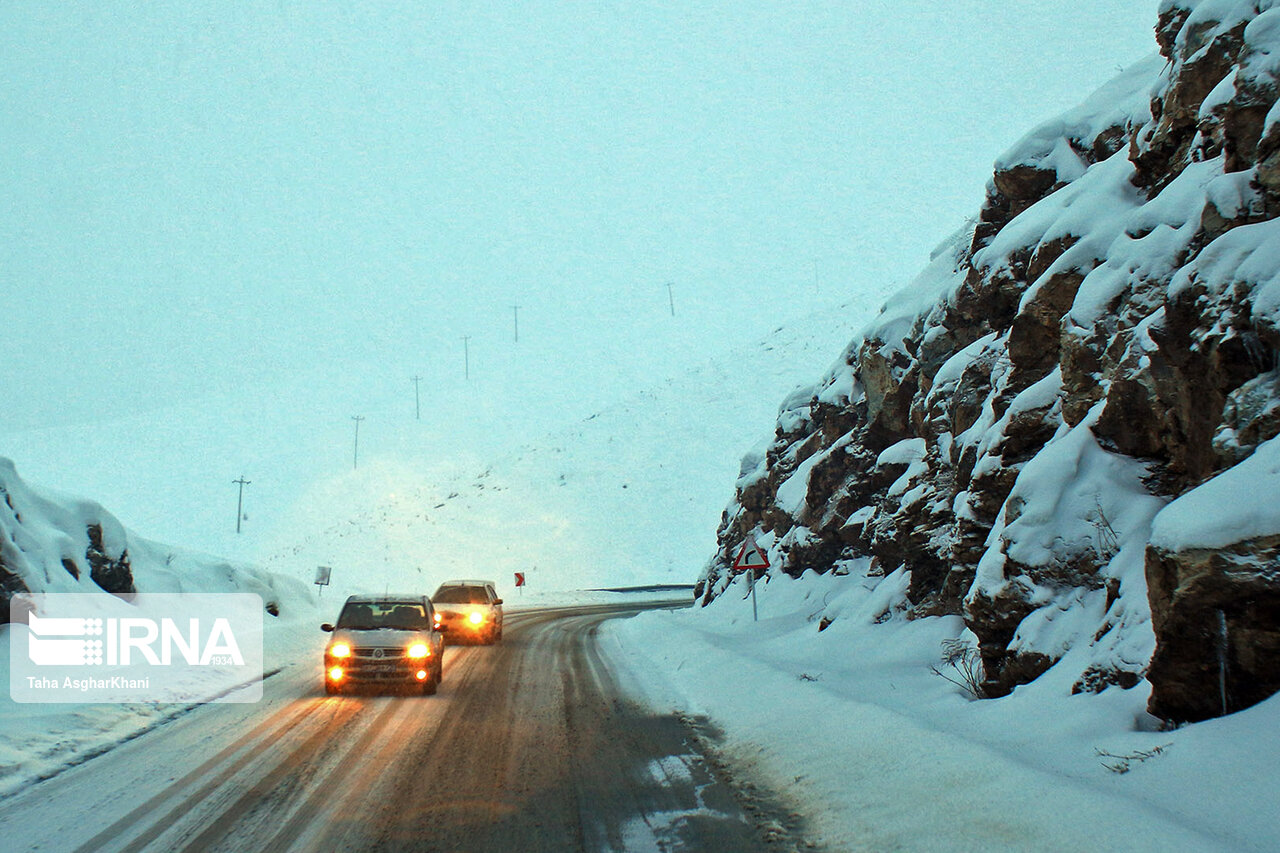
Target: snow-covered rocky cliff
55, 543
1065, 430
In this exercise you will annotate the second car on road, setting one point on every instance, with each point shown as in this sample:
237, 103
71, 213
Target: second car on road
469, 610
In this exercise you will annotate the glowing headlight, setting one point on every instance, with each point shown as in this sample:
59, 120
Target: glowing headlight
335, 674
419, 650
476, 617
340, 650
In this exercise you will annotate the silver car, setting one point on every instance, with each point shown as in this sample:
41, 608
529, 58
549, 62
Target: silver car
384, 640
469, 611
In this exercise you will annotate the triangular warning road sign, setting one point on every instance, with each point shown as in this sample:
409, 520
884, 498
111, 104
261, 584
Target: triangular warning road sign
750, 557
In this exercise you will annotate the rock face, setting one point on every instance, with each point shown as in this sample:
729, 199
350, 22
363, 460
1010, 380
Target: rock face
1101, 347
47, 545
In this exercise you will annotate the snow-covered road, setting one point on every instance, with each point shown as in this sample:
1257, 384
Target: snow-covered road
527, 746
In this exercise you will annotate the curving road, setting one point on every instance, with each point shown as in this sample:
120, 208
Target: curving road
528, 746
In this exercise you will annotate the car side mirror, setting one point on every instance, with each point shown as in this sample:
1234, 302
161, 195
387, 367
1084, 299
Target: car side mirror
326, 627
497, 601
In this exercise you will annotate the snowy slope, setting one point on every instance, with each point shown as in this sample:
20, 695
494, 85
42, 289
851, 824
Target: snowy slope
626, 492
861, 737
57, 543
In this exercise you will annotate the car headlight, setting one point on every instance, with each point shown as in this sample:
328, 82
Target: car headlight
335, 674
476, 617
419, 650
340, 650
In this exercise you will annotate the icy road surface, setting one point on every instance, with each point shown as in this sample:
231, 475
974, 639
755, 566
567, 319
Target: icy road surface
528, 746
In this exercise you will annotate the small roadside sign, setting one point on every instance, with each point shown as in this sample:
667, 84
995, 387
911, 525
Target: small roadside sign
750, 557
519, 578
322, 578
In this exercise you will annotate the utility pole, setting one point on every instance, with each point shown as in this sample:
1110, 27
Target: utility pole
355, 454
242, 482
671, 297
466, 356
515, 311
417, 406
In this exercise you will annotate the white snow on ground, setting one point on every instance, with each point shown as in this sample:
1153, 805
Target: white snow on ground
853, 726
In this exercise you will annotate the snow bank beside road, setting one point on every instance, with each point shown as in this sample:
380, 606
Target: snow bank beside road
56, 543
40, 740
880, 753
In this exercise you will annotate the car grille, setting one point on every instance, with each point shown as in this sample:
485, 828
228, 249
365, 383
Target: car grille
389, 655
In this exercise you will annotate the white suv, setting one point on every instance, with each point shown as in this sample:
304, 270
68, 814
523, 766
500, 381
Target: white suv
469, 610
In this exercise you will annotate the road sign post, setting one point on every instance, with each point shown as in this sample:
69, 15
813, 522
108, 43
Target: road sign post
322, 578
520, 582
751, 559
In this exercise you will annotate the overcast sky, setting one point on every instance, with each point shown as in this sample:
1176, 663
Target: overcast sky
195, 195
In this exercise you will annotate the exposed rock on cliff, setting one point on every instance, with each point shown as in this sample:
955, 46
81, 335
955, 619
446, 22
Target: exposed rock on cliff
1102, 342
52, 545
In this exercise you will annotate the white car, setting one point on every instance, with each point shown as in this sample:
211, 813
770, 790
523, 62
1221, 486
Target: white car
384, 640
469, 610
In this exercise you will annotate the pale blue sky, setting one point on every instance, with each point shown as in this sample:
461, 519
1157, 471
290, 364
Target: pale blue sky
198, 194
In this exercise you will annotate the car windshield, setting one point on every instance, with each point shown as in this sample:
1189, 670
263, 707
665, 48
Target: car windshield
460, 595
371, 615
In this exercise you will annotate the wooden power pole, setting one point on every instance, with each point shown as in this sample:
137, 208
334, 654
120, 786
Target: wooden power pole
242, 482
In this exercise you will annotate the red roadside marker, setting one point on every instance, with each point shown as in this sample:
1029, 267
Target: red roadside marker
750, 557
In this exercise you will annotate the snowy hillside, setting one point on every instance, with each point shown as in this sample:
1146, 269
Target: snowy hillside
1062, 429
617, 493
56, 543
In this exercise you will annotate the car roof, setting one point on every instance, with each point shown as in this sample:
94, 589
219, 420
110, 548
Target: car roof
407, 599
468, 583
